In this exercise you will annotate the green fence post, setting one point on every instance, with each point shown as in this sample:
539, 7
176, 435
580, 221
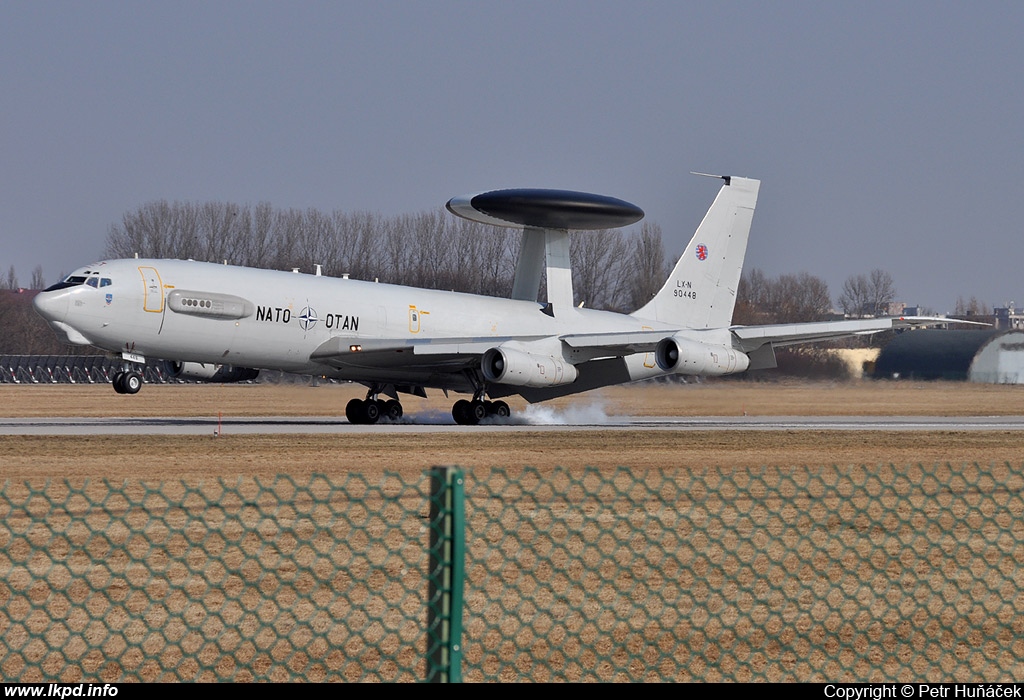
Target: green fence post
446, 576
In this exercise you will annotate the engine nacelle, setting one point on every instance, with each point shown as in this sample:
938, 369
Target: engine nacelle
505, 365
681, 355
209, 372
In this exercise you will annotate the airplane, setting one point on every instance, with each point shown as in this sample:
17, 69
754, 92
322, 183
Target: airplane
223, 323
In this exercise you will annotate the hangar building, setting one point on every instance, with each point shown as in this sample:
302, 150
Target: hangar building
991, 357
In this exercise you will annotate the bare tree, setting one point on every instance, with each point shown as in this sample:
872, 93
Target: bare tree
256, 249
148, 231
971, 307
11, 282
752, 294
854, 297
883, 290
867, 295
38, 281
644, 270
596, 257
798, 298
790, 298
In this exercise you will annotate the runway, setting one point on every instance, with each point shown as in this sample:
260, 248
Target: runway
437, 422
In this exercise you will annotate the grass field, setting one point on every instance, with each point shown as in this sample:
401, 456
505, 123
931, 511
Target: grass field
183, 456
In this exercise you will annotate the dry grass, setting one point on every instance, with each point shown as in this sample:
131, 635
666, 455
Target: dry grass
720, 398
171, 456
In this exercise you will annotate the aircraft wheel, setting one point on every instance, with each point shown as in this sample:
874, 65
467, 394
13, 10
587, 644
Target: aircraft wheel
500, 409
131, 382
461, 412
478, 411
371, 411
354, 411
118, 383
392, 410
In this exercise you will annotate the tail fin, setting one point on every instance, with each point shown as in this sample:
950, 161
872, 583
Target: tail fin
701, 291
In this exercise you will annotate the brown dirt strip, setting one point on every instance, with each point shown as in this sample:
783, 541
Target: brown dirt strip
162, 457
171, 456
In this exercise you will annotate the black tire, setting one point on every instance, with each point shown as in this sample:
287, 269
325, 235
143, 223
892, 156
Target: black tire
461, 412
478, 411
354, 411
500, 409
392, 410
118, 382
371, 411
131, 382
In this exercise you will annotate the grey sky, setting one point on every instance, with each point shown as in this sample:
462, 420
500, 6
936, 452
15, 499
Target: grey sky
885, 134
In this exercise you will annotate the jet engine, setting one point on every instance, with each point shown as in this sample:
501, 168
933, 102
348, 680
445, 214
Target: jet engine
209, 372
682, 355
505, 365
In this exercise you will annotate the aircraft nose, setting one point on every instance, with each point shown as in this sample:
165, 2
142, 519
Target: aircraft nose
53, 306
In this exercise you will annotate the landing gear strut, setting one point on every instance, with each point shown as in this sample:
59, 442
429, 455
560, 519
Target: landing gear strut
372, 409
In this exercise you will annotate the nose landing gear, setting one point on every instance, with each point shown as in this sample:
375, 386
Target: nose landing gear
127, 382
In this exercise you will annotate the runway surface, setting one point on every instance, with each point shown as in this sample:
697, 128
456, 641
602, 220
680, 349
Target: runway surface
440, 423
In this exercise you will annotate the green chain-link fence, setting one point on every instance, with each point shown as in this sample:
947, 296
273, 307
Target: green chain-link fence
846, 574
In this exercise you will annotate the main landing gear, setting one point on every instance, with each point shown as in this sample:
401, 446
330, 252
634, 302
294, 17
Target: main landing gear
372, 409
472, 412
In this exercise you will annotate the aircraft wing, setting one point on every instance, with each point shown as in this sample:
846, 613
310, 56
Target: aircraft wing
448, 355
752, 337
605, 344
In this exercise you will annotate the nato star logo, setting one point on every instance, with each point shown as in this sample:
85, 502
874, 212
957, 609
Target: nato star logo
307, 319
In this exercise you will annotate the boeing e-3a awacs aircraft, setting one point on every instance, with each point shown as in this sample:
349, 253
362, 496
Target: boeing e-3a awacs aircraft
224, 323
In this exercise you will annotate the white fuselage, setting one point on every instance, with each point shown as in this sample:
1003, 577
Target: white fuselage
265, 319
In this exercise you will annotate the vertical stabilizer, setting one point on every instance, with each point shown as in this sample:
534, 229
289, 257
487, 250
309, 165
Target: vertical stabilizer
701, 291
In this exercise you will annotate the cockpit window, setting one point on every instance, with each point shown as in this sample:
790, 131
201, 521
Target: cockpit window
93, 281
105, 282
72, 281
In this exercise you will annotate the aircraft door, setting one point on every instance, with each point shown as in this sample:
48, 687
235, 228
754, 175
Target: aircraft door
417, 318
153, 290
414, 319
